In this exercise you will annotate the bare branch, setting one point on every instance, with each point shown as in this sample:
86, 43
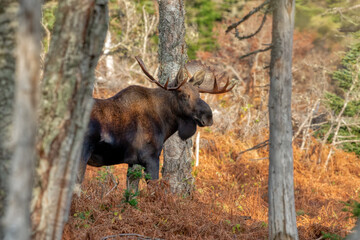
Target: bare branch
256, 32
307, 120
134, 235
255, 52
247, 16
347, 141
258, 159
340, 10
260, 145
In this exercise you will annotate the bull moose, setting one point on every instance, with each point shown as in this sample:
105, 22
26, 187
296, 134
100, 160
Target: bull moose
132, 126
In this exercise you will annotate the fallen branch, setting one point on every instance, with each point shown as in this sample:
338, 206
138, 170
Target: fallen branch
347, 141
137, 236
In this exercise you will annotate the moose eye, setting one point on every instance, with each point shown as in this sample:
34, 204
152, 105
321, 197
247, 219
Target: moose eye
185, 97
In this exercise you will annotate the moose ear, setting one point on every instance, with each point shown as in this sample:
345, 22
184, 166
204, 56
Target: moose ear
198, 78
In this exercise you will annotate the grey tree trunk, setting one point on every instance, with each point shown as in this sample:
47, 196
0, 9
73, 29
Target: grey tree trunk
355, 232
172, 56
77, 42
282, 217
17, 220
8, 25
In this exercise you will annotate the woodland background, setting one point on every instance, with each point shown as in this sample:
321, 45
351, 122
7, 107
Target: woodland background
230, 196
230, 200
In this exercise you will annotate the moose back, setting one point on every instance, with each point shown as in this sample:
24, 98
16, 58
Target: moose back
132, 126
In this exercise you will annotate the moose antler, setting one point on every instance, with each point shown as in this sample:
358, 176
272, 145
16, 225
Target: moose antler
194, 67
153, 80
216, 89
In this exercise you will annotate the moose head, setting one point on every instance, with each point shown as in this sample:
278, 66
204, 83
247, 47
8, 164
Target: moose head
187, 91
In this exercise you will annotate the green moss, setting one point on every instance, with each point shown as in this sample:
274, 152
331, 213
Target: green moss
49, 13
48, 19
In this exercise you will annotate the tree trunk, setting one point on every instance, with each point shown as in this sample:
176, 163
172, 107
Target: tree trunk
282, 217
8, 25
355, 232
172, 56
17, 219
77, 41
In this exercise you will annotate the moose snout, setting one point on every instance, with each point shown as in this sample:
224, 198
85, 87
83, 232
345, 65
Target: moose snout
203, 116
203, 120
207, 120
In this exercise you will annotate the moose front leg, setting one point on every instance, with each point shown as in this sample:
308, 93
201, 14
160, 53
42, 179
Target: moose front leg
152, 169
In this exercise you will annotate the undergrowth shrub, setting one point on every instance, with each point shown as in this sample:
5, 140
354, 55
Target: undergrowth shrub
131, 198
134, 175
330, 236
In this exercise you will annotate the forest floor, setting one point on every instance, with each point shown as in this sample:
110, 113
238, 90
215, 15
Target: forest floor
229, 200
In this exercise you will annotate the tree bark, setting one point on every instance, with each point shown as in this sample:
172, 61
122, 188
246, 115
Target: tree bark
17, 219
282, 216
8, 26
77, 41
355, 232
172, 56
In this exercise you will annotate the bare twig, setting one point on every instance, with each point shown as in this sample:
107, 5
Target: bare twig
115, 48
255, 52
258, 159
237, 35
247, 16
262, 86
147, 30
116, 183
347, 141
326, 137
260, 145
306, 121
48, 36
340, 10
235, 72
